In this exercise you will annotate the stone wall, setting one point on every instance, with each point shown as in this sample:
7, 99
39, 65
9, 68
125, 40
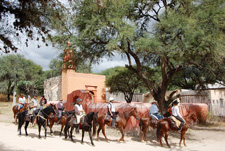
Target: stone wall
53, 88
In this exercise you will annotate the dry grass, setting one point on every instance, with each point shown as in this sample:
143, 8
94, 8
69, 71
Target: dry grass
3, 98
6, 113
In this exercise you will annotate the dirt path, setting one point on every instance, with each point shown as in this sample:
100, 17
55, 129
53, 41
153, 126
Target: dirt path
197, 140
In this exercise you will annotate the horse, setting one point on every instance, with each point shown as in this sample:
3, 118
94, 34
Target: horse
43, 116
54, 118
16, 111
21, 119
144, 123
165, 125
121, 124
86, 125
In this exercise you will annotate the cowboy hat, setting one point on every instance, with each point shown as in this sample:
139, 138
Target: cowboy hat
78, 100
111, 99
175, 102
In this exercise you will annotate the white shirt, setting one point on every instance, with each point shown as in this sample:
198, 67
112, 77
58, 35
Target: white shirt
111, 106
175, 111
35, 103
79, 108
22, 100
154, 109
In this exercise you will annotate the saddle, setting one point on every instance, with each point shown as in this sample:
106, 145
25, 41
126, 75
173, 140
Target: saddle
176, 122
109, 118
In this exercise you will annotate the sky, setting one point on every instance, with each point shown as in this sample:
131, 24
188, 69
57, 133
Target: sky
43, 55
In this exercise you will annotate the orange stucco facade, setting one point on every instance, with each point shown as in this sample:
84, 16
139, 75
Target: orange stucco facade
72, 81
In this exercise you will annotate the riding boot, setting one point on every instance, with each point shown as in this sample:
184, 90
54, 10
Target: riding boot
58, 120
113, 123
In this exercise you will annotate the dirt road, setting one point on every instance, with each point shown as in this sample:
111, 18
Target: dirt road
197, 140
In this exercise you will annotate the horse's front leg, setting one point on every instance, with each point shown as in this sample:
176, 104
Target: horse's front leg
50, 126
145, 132
45, 129
98, 131
39, 130
82, 140
90, 135
25, 127
122, 132
71, 133
61, 129
65, 131
182, 136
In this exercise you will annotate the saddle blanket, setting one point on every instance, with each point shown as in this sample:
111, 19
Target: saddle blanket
176, 121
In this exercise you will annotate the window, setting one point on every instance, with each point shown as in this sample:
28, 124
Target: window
221, 103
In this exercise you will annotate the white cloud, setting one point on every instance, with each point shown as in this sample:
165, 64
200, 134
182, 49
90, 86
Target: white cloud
41, 56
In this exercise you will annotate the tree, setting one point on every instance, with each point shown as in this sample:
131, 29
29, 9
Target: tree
26, 17
16, 71
125, 81
165, 35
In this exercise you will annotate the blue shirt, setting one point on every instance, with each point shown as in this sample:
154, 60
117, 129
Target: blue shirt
153, 109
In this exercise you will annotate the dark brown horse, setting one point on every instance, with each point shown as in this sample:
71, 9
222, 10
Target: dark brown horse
121, 124
165, 125
16, 111
43, 116
88, 121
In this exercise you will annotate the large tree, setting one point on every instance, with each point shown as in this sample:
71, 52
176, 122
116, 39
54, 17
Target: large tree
169, 35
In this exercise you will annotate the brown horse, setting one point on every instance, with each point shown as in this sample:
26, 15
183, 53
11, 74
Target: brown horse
121, 124
166, 124
16, 111
144, 123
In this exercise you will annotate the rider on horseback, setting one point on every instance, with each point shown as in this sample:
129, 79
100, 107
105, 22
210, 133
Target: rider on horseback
154, 111
22, 101
79, 110
33, 107
112, 111
176, 114
60, 109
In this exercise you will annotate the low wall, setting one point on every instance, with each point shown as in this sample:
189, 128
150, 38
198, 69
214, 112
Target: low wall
200, 109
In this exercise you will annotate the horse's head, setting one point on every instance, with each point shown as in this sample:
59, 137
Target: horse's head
26, 106
54, 109
194, 117
134, 112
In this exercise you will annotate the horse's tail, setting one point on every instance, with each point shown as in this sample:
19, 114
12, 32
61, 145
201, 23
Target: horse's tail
94, 129
158, 131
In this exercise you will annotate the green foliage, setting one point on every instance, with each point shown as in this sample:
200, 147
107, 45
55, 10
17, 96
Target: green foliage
169, 37
123, 80
16, 71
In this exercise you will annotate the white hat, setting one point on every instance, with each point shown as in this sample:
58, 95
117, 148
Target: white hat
111, 99
154, 101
